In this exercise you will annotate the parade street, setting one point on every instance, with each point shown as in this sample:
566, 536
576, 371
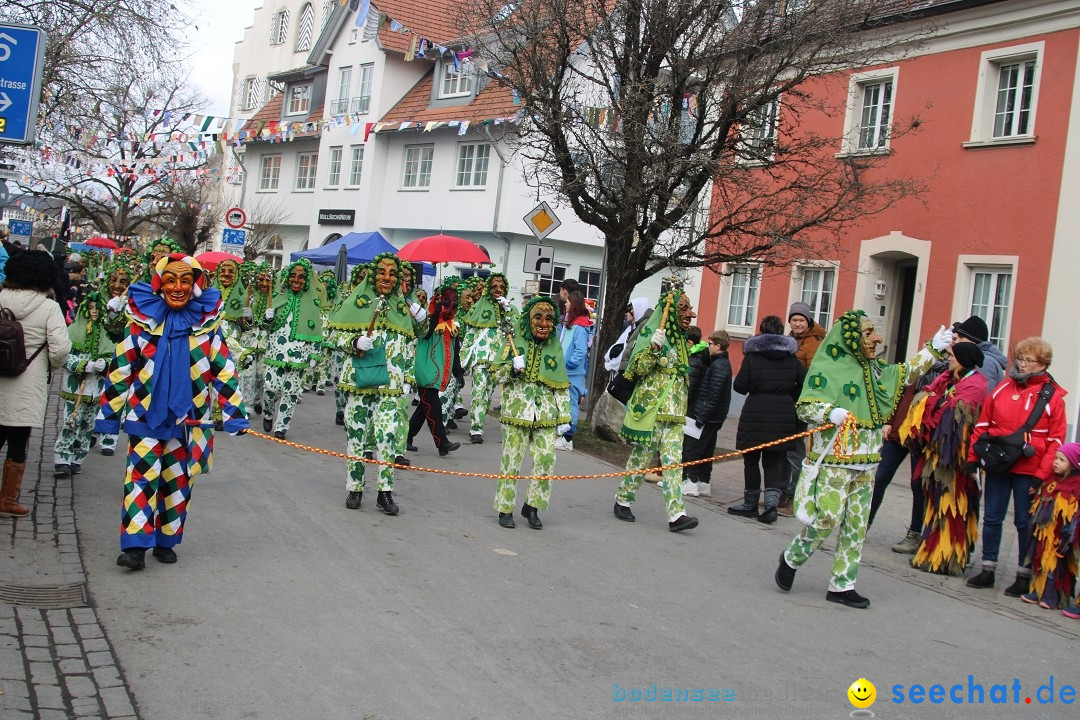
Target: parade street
285, 604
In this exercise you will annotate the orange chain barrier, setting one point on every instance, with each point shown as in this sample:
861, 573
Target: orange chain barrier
499, 476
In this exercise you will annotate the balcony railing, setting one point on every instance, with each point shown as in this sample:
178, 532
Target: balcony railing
361, 104
339, 107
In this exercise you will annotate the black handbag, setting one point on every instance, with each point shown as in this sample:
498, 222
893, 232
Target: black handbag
998, 453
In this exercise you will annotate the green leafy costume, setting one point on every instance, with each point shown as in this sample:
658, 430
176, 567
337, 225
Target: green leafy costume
294, 339
487, 329
250, 359
839, 497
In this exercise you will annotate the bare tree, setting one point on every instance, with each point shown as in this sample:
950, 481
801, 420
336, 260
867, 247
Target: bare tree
263, 218
192, 214
636, 112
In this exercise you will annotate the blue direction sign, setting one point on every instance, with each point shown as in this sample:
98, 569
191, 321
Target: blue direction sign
22, 55
20, 228
233, 238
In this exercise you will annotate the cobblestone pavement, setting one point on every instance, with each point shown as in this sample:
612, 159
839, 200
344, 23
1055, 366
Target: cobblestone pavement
55, 660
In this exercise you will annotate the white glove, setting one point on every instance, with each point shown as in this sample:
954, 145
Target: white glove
837, 416
942, 339
418, 312
312, 361
519, 363
248, 315
116, 304
269, 314
406, 389
659, 338
364, 343
505, 303
96, 366
562, 429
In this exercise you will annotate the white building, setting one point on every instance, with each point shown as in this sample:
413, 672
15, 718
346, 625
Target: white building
409, 148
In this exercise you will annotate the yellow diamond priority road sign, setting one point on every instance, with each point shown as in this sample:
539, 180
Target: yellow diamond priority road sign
542, 221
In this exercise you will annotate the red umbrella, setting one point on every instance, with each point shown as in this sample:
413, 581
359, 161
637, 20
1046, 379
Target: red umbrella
443, 248
210, 260
101, 242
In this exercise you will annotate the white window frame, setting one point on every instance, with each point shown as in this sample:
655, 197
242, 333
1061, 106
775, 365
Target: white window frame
759, 134
549, 284
969, 267
356, 166
333, 170
307, 165
362, 101
341, 105
297, 102
306, 30
269, 173
275, 252
742, 294
454, 84
590, 291
986, 94
853, 118
471, 166
279, 27
250, 94
417, 161
812, 291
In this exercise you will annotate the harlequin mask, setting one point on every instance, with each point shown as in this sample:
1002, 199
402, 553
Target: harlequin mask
177, 284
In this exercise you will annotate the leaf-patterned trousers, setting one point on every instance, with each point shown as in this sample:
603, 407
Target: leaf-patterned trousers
282, 391
482, 390
73, 440
843, 499
373, 422
667, 439
515, 442
253, 382
156, 493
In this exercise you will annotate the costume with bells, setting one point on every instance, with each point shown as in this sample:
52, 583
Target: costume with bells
159, 390
374, 329
656, 412
295, 336
80, 387
856, 393
535, 409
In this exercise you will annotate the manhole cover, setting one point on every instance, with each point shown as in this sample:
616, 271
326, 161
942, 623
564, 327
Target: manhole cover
44, 597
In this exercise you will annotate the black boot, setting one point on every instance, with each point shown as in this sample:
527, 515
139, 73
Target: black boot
448, 448
768, 514
507, 520
984, 579
848, 597
529, 513
268, 424
258, 409
353, 500
623, 513
385, 502
748, 507
132, 558
1020, 585
785, 574
339, 418
165, 555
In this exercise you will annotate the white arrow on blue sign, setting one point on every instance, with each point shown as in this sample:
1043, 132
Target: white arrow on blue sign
22, 56
233, 238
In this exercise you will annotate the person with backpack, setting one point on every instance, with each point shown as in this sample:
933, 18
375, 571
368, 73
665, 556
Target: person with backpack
33, 339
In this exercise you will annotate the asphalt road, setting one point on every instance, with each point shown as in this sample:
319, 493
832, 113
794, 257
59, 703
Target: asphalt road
284, 604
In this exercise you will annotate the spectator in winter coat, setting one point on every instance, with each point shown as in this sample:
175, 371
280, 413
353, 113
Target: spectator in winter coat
699, 363
709, 413
574, 336
771, 377
808, 334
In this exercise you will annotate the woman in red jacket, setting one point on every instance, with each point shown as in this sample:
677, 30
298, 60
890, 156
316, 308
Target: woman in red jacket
1005, 411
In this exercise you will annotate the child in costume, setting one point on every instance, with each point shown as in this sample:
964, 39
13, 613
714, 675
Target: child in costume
656, 412
488, 328
374, 328
159, 389
847, 386
84, 371
295, 337
1056, 548
535, 409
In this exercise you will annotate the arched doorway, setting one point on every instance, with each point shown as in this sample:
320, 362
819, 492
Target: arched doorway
331, 238
891, 289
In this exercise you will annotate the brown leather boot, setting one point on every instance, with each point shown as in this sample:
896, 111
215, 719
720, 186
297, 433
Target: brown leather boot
9, 492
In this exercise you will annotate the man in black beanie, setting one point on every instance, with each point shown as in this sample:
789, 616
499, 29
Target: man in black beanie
994, 363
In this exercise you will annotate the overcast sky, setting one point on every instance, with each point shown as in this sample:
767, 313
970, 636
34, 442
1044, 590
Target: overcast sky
220, 25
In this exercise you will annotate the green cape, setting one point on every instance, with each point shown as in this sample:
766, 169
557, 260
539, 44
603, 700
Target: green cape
841, 375
544, 361
675, 336
89, 336
356, 312
486, 312
301, 306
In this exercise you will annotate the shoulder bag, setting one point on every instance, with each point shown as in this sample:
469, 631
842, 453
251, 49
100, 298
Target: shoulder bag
998, 453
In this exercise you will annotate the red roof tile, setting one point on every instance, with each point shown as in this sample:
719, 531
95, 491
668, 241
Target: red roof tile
435, 20
492, 102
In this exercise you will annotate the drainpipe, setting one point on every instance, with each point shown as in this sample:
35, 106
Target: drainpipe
498, 201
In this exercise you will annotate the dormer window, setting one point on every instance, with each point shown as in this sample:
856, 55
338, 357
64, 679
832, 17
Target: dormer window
299, 100
454, 82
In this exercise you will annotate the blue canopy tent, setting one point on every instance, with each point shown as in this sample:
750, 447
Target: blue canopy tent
361, 248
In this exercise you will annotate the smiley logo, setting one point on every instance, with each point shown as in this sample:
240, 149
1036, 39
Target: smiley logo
862, 693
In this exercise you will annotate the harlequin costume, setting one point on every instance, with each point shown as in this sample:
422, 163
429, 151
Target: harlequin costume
158, 390
294, 340
535, 406
656, 411
374, 329
859, 393
940, 421
488, 326
1055, 546
84, 372
436, 358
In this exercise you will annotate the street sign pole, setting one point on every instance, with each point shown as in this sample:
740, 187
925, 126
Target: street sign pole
22, 58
